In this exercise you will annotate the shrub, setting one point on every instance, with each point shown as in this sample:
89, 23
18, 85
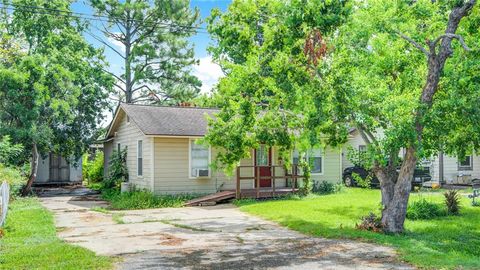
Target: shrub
9, 152
423, 209
117, 171
364, 183
13, 177
142, 199
92, 170
370, 222
452, 202
325, 187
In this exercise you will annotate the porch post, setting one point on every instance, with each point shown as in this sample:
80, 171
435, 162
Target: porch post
238, 193
272, 173
258, 181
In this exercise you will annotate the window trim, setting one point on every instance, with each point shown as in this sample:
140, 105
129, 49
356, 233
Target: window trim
190, 141
466, 168
322, 156
138, 157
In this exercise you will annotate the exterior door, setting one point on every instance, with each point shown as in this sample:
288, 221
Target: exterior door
263, 158
59, 169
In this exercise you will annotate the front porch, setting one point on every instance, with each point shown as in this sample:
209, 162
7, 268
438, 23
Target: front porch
266, 182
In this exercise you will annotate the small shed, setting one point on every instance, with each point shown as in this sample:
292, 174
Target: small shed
57, 170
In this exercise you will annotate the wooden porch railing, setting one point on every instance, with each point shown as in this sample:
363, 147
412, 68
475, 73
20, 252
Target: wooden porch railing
294, 176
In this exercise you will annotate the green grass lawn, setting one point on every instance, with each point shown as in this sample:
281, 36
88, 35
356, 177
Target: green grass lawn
451, 242
30, 242
140, 199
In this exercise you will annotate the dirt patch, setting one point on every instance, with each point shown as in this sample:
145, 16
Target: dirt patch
170, 240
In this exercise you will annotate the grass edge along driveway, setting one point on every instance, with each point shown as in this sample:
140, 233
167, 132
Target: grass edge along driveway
451, 242
30, 242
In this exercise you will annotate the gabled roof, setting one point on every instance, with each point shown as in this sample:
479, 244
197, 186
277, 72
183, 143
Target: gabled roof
166, 121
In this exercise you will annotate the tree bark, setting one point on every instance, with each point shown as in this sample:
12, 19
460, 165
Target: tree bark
394, 212
33, 171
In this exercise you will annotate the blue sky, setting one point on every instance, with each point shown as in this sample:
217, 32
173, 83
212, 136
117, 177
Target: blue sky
207, 71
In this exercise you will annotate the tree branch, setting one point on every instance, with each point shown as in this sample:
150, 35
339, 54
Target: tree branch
414, 43
452, 36
105, 43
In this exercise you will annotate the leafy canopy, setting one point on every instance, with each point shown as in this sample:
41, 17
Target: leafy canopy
265, 94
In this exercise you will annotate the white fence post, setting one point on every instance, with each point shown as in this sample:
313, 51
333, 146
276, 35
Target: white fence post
4, 199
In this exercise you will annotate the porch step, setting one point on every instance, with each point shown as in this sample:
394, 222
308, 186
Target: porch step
212, 199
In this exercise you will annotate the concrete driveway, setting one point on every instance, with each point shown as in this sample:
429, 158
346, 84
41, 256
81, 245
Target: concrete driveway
216, 237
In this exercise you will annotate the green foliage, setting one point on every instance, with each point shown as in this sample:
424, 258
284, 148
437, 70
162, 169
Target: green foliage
365, 183
9, 152
443, 243
358, 158
452, 202
265, 95
423, 209
54, 93
325, 187
142, 199
92, 170
30, 242
307, 183
117, 170
157, 51
14, 178
370, 222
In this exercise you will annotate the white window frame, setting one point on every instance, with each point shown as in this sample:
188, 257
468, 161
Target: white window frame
322, 155
466, 168
190, 141
138, 157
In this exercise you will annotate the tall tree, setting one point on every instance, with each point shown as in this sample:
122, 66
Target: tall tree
265, 93
389, 77
157, 56
53, 92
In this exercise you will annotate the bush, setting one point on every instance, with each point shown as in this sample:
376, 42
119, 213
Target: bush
370, 222
452, 202
364, 183
325, 187
92, 170
117, 171
9, 152
13, 177
423, 209
142, 199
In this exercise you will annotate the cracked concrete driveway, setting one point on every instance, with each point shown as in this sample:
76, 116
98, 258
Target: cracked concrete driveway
216, 237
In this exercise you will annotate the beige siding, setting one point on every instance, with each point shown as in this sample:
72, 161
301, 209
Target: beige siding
354, 140
172, 169
331, 166
450, 167
127, 135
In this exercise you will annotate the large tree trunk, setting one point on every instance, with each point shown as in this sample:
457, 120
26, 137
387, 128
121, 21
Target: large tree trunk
33, 171
394, 212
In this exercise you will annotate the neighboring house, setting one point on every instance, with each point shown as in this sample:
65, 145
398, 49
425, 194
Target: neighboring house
163, 155
54, 169
443, 168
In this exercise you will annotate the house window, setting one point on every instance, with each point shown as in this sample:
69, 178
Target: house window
140, 158
128, 119
262, 155
118, 148
199, 157
465, 164
314, 157
362, 148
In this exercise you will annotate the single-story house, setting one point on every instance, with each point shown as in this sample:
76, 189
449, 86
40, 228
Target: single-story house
164, 156
54, 169
443, 168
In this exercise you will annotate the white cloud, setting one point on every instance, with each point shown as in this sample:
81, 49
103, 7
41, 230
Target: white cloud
117, 43
208, 72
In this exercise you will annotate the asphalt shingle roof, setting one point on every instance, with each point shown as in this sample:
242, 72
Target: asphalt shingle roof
169, 121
